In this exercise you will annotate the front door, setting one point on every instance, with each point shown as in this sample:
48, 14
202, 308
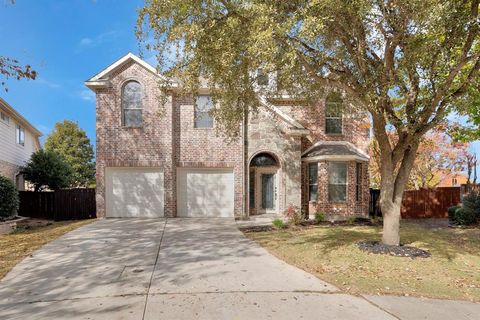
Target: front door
268, 191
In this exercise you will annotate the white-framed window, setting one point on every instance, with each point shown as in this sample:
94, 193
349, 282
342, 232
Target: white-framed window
203, 107
312, 181
4, 117
334, 114
132, 106
20, 135
337, 181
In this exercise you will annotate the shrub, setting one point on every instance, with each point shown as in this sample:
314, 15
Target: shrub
468, 213
465, 217
8, 198
451, 213
279, 224
471, 205
293, 215
319, 217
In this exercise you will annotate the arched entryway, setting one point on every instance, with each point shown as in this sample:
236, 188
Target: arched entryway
264, 169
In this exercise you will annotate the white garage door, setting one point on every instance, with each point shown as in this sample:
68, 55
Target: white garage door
204, 192
134, 192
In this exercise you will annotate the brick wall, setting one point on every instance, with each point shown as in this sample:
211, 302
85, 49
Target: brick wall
355, 130
205, 147
148, 146
166, 140
9, 170
169, 140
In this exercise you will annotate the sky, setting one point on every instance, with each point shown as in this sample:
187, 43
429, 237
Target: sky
67, 42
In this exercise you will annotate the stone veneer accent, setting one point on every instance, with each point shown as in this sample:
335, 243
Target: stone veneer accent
266, 133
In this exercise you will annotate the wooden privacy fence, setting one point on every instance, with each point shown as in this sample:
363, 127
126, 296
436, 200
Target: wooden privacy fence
423, 203
373, 206
429, 203
71, 204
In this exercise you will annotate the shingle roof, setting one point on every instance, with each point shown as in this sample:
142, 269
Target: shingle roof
330, 150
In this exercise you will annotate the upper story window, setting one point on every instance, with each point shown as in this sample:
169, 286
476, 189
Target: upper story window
262, 77
20, 135
337, 181
312, 181
333, 113
4, 117
132, 105
203, 118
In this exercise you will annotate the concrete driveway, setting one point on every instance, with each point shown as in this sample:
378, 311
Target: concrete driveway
174, 269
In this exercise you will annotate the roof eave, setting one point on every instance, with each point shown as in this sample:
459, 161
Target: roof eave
335, 158
99, 84
297, 132
287, 118
20, 118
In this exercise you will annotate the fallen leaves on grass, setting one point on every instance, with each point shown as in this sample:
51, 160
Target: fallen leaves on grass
16, 246
331, 253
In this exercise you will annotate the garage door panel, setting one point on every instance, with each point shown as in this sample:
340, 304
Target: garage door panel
205, 193
134, 192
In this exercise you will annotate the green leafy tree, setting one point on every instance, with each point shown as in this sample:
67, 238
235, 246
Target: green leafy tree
47, 169
72, 143
408, 63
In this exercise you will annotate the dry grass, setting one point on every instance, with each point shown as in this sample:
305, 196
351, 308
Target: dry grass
16, 246
331, 253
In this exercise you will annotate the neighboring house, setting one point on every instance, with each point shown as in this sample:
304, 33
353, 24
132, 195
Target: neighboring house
168, 160
452, 180
18, 140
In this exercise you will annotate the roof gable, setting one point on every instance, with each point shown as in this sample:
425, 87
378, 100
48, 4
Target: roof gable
18, 117
101, 79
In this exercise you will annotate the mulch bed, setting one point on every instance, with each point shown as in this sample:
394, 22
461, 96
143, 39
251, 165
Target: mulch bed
397, 251
312, 223
256, 229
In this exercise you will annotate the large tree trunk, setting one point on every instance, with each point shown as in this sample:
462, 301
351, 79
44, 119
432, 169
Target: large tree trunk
391, 222
395, 167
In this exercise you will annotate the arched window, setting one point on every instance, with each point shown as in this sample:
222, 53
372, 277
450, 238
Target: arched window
333, 113
132, 104
263, 160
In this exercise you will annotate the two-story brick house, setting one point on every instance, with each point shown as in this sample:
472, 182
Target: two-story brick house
167, 159
18, 140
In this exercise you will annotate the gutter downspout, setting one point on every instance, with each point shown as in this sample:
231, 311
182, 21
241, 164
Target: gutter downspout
246, 178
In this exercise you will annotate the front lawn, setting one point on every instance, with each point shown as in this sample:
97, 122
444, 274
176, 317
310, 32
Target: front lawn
331, 253
16, 246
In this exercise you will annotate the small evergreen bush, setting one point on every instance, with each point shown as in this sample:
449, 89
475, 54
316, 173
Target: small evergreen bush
8, 198
471, 206
279, 224
464, 218
468, 213
319, 217
451, 213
